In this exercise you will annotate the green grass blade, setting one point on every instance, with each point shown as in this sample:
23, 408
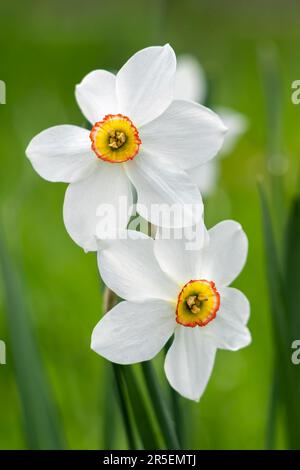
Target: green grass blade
292, 268
272, 413
179, 419
292, 278
41, 424
273, 93
279, 308
162, 413
140, 410
176, 409
109, 422
121, 393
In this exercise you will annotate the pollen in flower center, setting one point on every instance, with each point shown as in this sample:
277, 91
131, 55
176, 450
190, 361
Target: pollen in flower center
115, 139
195, 302
198, 303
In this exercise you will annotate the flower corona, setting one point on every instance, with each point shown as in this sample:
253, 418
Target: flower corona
198, 303
115, 139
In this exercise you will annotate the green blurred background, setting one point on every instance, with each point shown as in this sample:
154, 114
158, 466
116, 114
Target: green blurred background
46, 48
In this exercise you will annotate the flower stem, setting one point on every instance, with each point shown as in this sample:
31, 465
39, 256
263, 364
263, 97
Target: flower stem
159, 406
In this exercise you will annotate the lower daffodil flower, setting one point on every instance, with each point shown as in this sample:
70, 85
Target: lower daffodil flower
171, 290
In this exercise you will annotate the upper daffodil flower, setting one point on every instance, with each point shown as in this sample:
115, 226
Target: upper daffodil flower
140, 137
190, 84
171, 290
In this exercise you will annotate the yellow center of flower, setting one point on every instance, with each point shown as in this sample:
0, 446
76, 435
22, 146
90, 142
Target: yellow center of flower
115, 139
198, 303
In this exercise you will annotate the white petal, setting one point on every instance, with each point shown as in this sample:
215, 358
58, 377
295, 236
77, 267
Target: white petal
205, 176
229, 327
235, 304
97, 205
120, 234
189, 362
187, 134
179, 254
130, 269
145, 84
62, 153
226, 253
96, 95
236, 124
133, 332
166, 195
190, 82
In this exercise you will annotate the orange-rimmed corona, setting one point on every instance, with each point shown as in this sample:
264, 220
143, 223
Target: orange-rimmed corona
115, 139
198, 303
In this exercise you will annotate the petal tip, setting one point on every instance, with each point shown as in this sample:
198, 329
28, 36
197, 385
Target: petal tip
27, 151
168, 46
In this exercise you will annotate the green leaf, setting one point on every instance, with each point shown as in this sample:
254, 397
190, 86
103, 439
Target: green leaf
140, 410
273, 93
160, 408
41, 424
292, 278
292, 268
124, 408
109, 418
176, 409
281, 331
274, 399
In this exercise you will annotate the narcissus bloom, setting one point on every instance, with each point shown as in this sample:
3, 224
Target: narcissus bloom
190, 84
140, 137
171, 290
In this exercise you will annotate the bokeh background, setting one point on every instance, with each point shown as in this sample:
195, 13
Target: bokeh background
46, 48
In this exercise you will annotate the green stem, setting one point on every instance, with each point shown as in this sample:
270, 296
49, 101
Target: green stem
159, 406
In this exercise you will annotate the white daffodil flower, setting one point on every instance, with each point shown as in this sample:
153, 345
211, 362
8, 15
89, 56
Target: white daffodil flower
140, 137
190, 84
171, 290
